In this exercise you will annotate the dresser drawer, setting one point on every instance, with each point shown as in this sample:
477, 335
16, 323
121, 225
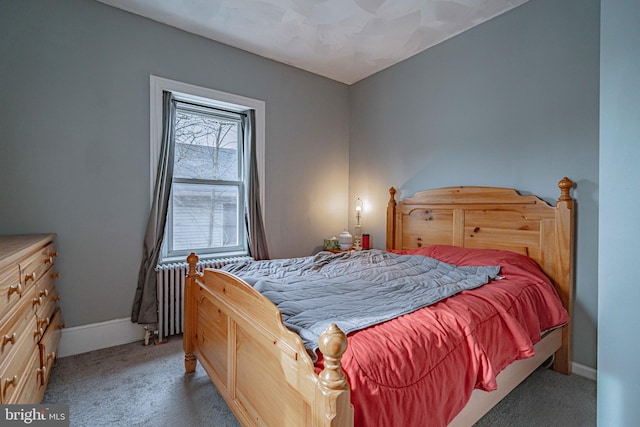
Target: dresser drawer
20, 325
32, 389
35, 265
46, 286
11, 289
46, 292
13, 370
49, 345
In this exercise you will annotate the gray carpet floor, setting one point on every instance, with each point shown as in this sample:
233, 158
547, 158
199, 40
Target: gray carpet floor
136, 385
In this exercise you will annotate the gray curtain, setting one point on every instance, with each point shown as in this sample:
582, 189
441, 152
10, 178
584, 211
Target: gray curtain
145, 308
253, 214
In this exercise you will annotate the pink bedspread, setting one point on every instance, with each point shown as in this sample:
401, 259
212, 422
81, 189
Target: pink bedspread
420, 369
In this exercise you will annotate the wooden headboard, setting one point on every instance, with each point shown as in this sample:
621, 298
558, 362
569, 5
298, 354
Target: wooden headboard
496, 218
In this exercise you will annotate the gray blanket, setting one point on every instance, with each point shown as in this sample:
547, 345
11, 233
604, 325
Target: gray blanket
355, 289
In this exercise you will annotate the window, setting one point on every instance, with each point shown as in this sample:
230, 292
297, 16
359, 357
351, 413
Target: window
206, 210
207, 201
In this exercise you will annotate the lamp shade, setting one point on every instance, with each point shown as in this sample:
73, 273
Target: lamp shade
359, 205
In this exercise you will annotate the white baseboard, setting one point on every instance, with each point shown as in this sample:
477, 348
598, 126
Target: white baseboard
96, 336
584, 371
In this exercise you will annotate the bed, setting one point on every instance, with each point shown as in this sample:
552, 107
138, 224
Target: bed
268, 378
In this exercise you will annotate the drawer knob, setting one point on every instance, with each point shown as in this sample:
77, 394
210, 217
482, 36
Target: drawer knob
15, 288
51, 356
55, 275
38, 333
37, 301
9, 339
31, 276
57, 298
44, 323
43, 293
42, 371
53, 254
10, 381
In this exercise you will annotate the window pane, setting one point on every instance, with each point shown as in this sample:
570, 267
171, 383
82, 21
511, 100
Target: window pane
204, 216
206, 146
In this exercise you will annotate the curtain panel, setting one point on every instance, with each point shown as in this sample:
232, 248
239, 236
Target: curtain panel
257, 241
145, 306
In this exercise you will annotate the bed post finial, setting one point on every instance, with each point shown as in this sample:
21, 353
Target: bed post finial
333, 344
192, 259
392, 195
565, 185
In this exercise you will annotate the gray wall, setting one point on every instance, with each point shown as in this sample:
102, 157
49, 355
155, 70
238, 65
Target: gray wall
74, 140
513, 102
619, 293
510, 103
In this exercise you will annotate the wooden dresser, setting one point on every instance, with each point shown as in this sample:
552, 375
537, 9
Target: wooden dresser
30, 320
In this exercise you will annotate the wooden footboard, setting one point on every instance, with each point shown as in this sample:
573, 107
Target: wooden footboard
260, 368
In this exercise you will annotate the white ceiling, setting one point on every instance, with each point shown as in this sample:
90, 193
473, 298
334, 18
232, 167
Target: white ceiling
345, 40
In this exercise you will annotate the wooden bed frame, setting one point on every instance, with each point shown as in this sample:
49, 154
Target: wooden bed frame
262, 369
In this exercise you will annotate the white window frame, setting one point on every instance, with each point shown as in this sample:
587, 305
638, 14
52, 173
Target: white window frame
203, 95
